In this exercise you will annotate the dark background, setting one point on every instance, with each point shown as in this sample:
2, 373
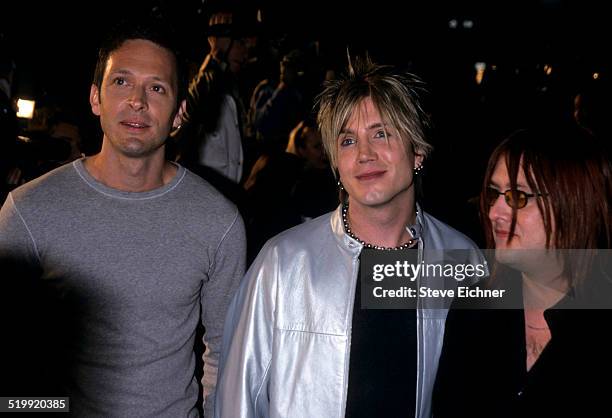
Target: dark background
55, 41
54, 44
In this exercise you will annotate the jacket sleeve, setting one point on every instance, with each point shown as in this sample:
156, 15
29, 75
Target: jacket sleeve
246, 358
202, 89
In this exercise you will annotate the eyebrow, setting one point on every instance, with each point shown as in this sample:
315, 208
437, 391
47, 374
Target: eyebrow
156, 78
375, 125
121, 71
518, 185
128, 72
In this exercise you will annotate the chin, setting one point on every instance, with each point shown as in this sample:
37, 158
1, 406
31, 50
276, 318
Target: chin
523, 259
372, 199
508, 256
140, 148
137, 152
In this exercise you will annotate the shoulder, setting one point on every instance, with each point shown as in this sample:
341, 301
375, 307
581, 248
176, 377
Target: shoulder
262, 93
310, 239
206, 212
46, 187
443, 236
289, 255
311, 233
197, 193
263, 85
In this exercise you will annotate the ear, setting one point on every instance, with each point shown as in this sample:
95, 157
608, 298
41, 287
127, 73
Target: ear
94, 99
179, 118
418, 160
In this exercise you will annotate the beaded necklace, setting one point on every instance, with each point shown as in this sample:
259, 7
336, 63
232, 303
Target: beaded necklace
347, 228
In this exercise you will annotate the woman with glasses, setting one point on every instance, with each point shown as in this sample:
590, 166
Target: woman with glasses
544, 349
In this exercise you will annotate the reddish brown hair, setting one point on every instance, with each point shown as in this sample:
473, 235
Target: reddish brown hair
574, 174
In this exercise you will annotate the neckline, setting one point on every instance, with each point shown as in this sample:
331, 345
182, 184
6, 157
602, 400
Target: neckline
120, 194
411, 230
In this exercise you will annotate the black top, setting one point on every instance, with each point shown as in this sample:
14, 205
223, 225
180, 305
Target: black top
383, 361
483, 371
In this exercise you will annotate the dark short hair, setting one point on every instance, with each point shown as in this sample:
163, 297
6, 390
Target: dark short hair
569, 167
148, 29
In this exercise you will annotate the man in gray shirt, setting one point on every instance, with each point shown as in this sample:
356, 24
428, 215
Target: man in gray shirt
137, 249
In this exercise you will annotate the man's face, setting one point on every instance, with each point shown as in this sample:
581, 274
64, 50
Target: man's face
238, 54
375, 167
137, 101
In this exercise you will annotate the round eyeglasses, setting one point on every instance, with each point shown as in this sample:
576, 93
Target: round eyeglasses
513, 198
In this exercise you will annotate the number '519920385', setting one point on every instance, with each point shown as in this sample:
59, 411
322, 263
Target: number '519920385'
49, 404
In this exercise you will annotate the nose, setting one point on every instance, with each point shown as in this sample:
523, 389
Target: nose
499, 210
365, 151
138, 99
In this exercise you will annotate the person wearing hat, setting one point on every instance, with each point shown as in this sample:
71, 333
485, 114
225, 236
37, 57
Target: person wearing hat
212, 129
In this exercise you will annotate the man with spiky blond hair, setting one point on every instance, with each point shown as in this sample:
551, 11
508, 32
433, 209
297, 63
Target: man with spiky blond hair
297, 343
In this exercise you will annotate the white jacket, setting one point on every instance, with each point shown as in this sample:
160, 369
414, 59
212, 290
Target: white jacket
288, 331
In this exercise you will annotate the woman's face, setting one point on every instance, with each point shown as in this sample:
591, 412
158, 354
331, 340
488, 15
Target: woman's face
529, 233
526, 250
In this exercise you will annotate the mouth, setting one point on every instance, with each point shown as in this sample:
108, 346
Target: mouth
502, 234
134, 125
371, 175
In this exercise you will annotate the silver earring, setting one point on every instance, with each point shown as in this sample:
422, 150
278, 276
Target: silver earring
340, 186
417, 170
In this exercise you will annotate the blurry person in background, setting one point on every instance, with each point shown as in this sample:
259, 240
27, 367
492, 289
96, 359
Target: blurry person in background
64, 128
286, 188
315, 191
545, 207
275, 110
215, 117
52, 139
306, 142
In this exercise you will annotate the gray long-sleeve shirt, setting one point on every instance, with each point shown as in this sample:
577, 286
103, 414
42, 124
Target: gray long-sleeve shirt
138, 271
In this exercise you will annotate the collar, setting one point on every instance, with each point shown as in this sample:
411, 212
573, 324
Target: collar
353, 246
